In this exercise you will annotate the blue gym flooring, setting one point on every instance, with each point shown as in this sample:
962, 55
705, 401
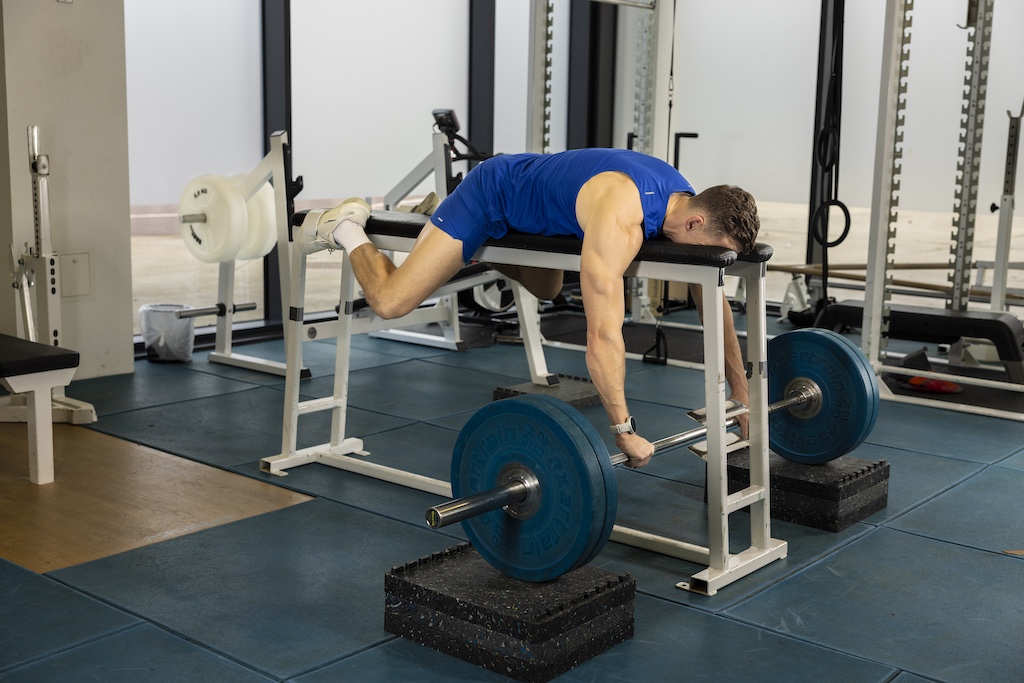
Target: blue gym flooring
929, 589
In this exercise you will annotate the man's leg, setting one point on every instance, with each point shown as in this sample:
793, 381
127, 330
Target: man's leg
394, 291
391, 291
543, 283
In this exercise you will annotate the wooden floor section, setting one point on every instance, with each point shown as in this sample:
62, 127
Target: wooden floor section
111, 495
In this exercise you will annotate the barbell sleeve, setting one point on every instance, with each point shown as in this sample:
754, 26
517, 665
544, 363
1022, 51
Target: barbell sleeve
192, 218
463, 508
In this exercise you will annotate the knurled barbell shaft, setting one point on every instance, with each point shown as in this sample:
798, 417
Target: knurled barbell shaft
516, 491
797, 398
677, 440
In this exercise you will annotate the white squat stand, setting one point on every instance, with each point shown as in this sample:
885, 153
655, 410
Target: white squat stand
37, 270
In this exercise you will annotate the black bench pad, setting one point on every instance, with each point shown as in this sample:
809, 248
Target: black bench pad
940, 326
405, 224
22, 357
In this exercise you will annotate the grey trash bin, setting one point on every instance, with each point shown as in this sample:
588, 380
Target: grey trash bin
168, 338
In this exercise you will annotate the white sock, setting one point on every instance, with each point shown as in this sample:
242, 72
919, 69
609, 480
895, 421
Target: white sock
349, 235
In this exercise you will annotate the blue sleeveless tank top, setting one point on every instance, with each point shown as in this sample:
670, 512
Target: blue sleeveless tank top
536, 193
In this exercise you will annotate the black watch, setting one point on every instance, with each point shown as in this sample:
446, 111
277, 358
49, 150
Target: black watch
627, 427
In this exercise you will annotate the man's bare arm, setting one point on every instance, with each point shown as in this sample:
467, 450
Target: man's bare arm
611, 241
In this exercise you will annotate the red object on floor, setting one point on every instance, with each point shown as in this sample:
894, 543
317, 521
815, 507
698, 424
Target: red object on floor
934, 386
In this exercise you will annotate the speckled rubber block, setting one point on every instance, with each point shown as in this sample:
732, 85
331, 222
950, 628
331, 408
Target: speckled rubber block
830, 496
579, 392
456, 603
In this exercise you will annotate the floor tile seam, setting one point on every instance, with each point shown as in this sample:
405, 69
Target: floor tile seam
419, 526
162, 448
661, 477
931, 497
776, 580
432, 360
782, 634
143, 619
1007, 457
101, 415
269, 383
810, 563
209, 373
383, 352
988, 551
71, 648
341, 658
321, 496
882, 444
896, 669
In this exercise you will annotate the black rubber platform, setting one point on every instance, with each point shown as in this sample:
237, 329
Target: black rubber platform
579, 392
830, 496
456, 603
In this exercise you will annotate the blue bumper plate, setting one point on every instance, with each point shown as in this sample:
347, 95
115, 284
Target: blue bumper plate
849, 399
576, 509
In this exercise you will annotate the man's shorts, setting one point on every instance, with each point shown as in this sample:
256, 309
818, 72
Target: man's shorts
472, 213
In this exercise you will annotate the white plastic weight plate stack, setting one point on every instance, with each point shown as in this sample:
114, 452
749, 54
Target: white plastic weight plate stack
213, 218
218, 225
261, 231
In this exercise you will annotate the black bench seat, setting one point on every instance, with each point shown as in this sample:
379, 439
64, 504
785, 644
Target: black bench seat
942, 326
20, 357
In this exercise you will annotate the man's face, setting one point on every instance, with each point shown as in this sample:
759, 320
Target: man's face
701, 235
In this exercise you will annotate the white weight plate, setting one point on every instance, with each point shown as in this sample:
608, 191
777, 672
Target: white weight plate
219, 238
261, 235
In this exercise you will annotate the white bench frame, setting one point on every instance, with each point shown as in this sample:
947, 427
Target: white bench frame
722, 566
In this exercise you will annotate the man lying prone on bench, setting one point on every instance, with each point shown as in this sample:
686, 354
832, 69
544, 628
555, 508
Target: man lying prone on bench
612, 199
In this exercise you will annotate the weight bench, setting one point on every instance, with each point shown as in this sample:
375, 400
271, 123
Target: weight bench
942, 326
658, 259
35, 369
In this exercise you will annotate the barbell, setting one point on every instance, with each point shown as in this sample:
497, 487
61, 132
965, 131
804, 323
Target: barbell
535, 486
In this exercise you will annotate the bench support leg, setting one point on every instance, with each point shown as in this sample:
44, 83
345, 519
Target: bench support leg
37, 388
40, 438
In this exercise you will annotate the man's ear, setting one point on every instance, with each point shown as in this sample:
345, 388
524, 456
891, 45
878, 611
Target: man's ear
695, 221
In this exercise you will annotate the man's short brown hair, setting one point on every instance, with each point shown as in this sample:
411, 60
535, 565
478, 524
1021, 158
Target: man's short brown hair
731, 211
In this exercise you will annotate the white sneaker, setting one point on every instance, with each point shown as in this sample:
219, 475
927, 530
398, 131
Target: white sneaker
317, 230
428, 205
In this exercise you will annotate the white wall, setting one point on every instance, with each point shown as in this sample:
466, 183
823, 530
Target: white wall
745, 81
65, 72
365, 77
367, 74
194, 92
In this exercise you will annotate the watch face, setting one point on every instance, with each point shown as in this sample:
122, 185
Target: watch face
632, 424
